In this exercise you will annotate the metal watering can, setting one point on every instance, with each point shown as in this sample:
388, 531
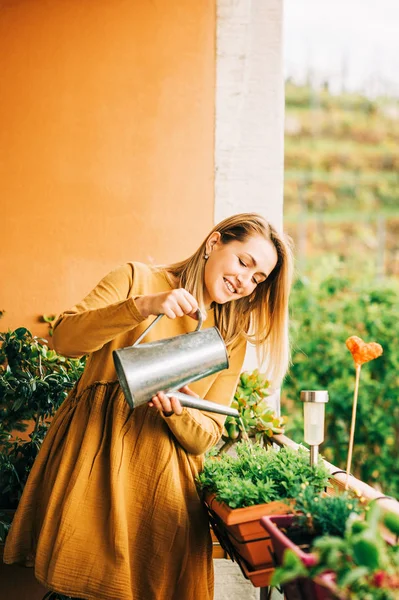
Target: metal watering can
169, 364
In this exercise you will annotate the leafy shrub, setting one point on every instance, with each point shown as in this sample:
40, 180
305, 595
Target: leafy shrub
257, 475
324, 315
34, 381
326, 515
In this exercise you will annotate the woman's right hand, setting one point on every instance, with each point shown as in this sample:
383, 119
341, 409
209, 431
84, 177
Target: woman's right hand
173, 303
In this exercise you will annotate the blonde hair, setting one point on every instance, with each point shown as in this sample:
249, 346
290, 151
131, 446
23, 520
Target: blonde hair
262, 317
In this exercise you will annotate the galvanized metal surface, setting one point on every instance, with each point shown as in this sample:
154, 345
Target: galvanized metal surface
201, 404
314, 396
169, 364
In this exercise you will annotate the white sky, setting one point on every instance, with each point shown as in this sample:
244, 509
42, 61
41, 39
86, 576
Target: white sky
355, 41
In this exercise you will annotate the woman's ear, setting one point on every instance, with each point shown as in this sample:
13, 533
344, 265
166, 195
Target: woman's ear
213, 239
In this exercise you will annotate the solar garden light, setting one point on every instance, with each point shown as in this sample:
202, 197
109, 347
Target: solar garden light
313, 416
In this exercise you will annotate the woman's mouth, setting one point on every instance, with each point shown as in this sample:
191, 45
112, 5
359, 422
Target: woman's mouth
229, 286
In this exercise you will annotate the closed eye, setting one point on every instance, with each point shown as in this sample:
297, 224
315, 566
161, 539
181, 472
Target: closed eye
259, 281
254, 280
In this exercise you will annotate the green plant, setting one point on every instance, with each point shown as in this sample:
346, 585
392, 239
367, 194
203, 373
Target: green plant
50, 320
365, 566
257, 475
258, 419
325, 312
34, 380
325, 515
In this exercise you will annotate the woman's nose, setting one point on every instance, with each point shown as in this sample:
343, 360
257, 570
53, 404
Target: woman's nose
243, 280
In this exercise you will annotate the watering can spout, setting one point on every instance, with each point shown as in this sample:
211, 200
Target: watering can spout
167, 365
200, 404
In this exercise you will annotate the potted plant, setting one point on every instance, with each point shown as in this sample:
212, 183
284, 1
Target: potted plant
34, 380
359, 564
239, 490
314, 515
258, 420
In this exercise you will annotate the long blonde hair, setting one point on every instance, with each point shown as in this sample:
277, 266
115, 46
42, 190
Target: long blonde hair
262, 317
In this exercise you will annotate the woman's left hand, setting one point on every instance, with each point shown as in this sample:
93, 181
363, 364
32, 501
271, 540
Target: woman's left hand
169, 406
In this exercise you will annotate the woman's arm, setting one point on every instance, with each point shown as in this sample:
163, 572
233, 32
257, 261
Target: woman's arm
197, 431
105, 313
112, 309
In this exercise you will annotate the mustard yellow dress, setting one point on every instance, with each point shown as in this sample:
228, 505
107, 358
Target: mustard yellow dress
110, 510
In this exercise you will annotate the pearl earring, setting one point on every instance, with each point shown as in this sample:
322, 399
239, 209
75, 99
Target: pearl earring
206, 256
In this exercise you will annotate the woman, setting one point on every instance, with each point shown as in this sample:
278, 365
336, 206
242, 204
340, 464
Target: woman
110, 510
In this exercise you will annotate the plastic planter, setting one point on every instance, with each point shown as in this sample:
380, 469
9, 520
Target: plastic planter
301, 588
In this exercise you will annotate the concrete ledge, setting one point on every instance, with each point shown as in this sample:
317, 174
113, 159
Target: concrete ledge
230, 583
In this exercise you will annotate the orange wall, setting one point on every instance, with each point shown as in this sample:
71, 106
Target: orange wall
106, 143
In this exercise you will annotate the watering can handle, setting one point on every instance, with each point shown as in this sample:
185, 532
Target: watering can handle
155, 321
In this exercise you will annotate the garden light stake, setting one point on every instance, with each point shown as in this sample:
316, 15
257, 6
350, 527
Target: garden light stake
313, 417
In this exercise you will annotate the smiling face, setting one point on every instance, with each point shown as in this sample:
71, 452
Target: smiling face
233, 270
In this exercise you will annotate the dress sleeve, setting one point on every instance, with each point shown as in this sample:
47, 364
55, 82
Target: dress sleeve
106, 312
197, 431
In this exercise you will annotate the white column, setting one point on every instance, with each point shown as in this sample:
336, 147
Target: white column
249, 109
249, 142
248, 151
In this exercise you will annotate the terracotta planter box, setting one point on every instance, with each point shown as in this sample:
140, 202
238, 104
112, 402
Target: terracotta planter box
302, 588
258, 578
240, 532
